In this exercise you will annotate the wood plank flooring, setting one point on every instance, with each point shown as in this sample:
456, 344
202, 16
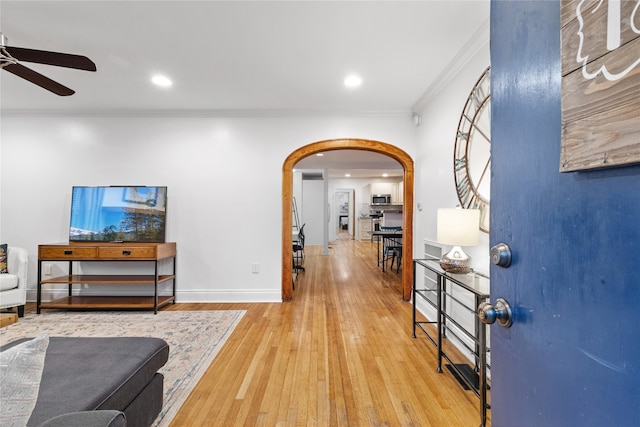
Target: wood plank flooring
339, 354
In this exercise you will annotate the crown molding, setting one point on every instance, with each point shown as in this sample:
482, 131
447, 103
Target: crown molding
203, 113
478, 40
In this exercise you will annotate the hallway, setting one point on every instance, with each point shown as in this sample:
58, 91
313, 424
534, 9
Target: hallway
340, 353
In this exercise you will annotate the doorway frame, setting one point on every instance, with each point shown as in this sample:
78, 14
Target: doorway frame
351, 144
351, 214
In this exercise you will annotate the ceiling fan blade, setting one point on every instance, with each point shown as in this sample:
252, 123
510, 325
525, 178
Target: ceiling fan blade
37, 78
58, 59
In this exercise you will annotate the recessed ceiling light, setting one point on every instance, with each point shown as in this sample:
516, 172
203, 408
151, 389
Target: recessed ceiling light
347, 175
385, 175
320, 154
162, 81
352, 81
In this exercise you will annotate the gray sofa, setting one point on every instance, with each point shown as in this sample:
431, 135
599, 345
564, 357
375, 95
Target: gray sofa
100, 382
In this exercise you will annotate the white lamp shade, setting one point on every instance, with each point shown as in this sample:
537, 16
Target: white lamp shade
458, 227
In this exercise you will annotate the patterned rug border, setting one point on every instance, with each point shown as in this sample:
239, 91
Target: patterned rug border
194, 337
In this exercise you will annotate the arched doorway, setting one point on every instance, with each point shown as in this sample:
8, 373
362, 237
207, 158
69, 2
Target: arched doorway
353, 144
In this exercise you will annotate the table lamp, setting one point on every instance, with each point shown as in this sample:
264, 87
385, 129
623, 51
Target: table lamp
457, 227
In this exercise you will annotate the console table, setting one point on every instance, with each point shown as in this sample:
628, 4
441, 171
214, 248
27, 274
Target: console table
478, 286
113, 252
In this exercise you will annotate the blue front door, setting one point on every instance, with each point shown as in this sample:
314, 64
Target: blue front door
572, 355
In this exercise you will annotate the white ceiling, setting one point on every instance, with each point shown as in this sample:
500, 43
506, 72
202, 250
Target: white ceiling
356, 163
238, 57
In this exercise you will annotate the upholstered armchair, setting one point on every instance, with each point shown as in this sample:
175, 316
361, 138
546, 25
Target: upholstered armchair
13, 285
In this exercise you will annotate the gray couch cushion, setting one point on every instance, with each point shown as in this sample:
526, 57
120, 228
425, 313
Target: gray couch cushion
85, 374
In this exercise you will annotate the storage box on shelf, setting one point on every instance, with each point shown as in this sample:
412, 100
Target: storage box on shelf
113, 252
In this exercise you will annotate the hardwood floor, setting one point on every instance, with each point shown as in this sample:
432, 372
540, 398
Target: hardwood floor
339, 354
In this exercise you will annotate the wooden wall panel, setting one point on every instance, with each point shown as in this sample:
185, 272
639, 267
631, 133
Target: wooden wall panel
600, 114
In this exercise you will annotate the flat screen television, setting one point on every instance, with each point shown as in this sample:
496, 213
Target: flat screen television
118, 214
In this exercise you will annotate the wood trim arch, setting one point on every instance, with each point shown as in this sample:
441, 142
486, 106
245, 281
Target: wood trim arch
352, 144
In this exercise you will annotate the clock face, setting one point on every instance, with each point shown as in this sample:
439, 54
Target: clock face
472, 151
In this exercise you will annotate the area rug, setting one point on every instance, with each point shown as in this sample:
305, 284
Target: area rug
194, 338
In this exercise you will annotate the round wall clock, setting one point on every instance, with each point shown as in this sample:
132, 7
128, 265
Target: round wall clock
472, 151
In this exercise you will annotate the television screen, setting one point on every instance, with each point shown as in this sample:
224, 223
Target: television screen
118, 214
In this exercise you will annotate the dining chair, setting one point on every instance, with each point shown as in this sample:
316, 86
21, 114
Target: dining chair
298, 251
392, 247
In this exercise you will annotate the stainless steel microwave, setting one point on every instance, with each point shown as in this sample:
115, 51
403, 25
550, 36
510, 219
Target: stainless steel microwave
381, 199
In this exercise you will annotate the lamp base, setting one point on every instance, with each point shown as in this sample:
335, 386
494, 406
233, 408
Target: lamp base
455, 261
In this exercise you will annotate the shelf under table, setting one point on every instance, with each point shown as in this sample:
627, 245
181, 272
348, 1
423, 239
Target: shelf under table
109, 279
107, 302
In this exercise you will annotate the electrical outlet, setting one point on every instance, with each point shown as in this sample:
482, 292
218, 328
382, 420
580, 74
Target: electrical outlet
255, 268
47, 270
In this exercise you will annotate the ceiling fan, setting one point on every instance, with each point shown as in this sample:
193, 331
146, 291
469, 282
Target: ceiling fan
10, 57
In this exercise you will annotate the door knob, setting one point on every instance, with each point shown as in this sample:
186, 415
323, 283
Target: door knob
501, 255
500, 312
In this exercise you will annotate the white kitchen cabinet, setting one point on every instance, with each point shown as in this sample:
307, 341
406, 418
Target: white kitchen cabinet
400, 199
384, 188
366, 194
394, 188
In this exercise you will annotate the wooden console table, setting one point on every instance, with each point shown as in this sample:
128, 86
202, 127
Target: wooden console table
114, 252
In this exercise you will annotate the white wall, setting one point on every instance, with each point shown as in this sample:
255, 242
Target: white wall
435, 184
313, 209
224, 178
